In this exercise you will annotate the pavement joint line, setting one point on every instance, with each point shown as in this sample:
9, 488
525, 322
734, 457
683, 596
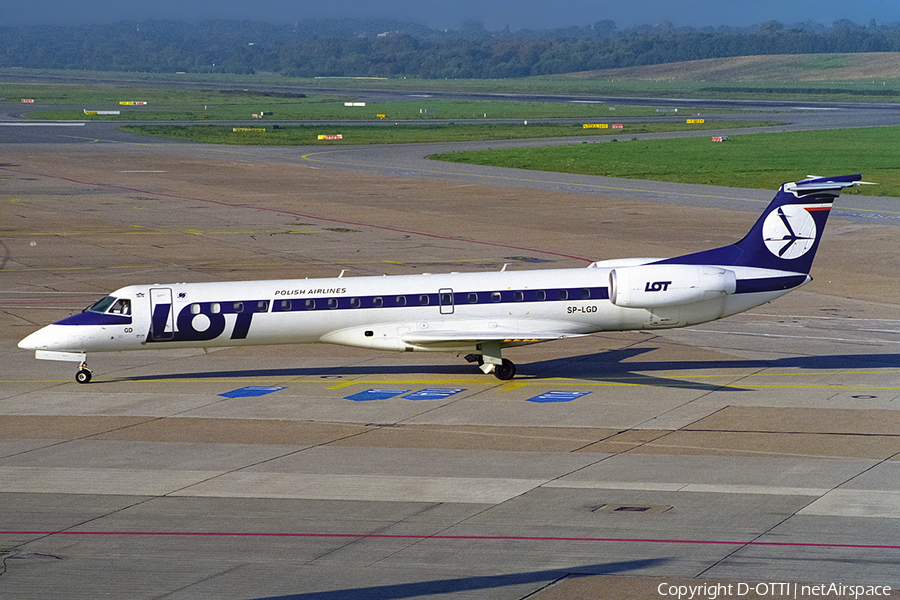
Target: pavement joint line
520, 538
801, 337
179, 491
748, 452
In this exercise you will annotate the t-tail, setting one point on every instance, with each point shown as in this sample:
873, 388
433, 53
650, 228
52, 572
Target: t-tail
787, 235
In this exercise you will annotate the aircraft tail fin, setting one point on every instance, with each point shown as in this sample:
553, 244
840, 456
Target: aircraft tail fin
787, 235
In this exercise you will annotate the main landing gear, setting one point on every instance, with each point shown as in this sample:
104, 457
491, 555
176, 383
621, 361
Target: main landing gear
505, 370
83, 374
489, 361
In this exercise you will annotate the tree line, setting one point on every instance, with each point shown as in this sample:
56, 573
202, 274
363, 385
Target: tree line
371, 48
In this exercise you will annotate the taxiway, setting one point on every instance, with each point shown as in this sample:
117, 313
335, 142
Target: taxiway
762, 448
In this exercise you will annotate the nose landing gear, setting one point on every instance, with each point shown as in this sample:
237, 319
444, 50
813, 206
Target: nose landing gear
83, 375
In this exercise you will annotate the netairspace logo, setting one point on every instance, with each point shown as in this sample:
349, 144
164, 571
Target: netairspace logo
773, 590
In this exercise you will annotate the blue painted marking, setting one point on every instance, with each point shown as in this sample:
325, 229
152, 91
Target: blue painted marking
558, 396
250, 391
369, 395
434, 393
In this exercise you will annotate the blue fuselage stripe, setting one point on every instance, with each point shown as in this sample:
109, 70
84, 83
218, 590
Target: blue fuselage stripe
769, 284
89, 317
441, 299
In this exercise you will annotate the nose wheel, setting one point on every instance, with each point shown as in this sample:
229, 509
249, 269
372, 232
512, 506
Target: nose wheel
83, 375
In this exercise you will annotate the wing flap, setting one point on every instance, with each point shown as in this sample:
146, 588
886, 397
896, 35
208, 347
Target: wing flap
437, 337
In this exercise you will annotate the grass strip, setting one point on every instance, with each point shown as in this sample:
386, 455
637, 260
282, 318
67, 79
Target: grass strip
759, 161
250, 134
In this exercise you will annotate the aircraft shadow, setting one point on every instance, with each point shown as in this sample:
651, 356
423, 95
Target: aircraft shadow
605, 364
602, 366
615, 366
464, 584
619, 366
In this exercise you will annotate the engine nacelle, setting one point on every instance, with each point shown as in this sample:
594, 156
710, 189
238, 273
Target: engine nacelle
656, 286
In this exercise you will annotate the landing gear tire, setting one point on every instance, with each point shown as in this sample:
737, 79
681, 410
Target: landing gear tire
506, 371
83, 376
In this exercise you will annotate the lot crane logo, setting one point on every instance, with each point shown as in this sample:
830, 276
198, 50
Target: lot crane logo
790, 231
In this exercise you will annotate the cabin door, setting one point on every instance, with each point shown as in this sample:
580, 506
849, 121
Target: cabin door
162, 314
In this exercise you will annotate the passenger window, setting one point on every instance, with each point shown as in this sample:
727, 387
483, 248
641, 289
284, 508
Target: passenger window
310, 304
496, 297
401, 300
262, 306
285, 305
377, 302
195, 309
238, 307
423, 300
563, 294
518, 295
355, 303
332, 303
473, 298
585, 294
214, 308
540, 295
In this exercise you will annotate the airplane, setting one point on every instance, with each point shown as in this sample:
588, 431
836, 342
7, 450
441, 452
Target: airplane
473, 314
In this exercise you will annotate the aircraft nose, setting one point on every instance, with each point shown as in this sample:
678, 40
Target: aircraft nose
33, 341
42, 339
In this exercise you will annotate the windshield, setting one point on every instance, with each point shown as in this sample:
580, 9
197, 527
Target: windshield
102, 306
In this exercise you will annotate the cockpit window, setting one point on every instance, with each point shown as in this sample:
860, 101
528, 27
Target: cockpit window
103, 305
121, 307
112, 305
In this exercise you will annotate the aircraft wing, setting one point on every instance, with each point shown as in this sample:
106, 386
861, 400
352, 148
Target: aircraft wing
437, 338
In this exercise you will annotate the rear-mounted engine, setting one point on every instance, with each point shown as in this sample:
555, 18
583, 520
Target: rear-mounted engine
656, 286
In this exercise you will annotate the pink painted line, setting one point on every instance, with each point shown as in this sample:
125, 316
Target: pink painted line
304, 215
451, 537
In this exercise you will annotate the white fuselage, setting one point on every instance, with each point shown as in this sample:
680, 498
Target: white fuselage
475, 313
445, 312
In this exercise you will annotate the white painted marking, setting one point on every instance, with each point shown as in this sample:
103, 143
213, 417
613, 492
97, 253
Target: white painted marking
688, 487
49, 124
856, 503
475, 490
385, 488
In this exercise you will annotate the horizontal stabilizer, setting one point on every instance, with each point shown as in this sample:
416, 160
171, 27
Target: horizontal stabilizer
821, 184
